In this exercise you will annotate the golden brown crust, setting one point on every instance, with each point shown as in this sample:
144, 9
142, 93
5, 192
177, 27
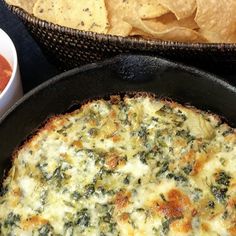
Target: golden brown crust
33, 221
122, 199
114, 99
48, 124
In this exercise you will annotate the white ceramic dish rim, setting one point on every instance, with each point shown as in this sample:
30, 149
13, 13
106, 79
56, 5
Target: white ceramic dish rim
14, 69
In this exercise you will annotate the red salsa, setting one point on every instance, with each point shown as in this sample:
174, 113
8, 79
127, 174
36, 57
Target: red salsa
5, 73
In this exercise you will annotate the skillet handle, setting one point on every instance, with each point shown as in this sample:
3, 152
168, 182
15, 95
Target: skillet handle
131, 67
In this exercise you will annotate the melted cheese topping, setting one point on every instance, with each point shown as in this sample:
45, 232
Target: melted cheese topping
137, 166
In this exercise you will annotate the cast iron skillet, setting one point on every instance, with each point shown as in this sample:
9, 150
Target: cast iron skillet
118, 75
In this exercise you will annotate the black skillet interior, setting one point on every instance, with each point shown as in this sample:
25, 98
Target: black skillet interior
127, 73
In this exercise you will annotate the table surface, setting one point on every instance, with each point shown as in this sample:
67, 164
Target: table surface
34, 66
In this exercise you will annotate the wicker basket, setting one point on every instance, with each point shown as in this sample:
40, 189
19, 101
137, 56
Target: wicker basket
69, 48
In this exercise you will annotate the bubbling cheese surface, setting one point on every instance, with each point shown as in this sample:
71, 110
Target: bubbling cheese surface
125, 167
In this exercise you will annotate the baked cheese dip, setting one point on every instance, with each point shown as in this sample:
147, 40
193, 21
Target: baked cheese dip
131, 166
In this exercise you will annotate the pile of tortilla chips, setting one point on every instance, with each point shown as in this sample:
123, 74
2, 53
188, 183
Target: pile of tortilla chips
208, 21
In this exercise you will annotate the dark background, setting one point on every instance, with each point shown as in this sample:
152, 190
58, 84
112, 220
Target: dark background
34, 67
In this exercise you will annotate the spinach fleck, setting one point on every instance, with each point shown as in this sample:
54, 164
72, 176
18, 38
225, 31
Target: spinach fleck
83, 218
225, 215
185, 135
188, 169
46, 230
227, 132
219, 192
162, 197
197, 194
177, 177
126, 180
143, 133
11, 220
90, 189
76, 195
211, 204
165, 227
63, 130
164, 167
223, 179
143, 157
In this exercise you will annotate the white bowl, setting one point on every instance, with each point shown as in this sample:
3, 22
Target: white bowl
13, 91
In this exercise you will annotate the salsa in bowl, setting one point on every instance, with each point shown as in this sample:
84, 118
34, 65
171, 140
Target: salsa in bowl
5, 73
10, 82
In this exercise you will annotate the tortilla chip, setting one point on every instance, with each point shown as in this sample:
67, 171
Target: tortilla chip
151, 9
117, 10
173, 20
162, 32
88, 15
138, 32
211, 36
181, 8
165, 22
217, 20
169, 20
26, 5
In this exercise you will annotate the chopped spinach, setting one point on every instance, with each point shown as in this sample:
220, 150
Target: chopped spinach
162, 143
222, 161
46, 230
11, 220
220, 188
102, 173
63, 130
164, 167
69, 228
188, 169
177, 177
43, 200
165, 109
126, 180
223, 179
162, 197
93, 132
107, 218
155, 119
58, 174
197, 194
101, 190
219, 192
143, 157
227, 132
186, 135
156, 231
225, 215
211, 204
90, 189
165, 227
143, 133
83, 218
76, 195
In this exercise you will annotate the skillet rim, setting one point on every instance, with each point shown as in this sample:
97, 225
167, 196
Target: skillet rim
203, 74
